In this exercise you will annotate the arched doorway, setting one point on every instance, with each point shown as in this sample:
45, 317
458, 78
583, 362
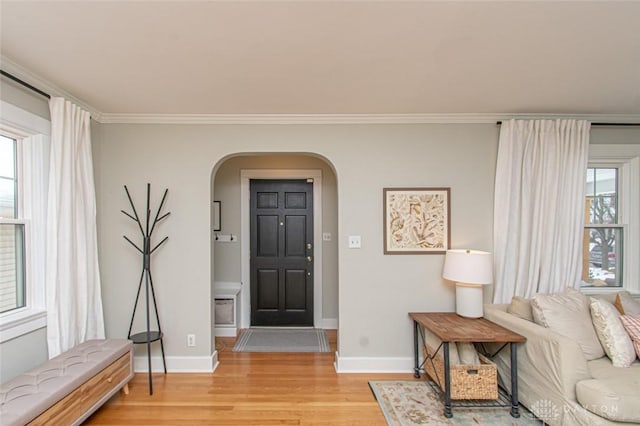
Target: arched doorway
230, 252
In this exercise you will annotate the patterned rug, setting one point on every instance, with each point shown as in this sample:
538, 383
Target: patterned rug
409, 403
282, 340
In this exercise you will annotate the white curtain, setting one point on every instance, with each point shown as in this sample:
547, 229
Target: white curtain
35, 165
74, 302
539, 206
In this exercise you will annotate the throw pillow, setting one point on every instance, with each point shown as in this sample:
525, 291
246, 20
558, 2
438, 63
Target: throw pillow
631, 323
467, 353
521, 308
626, 304
568, 314
611, 332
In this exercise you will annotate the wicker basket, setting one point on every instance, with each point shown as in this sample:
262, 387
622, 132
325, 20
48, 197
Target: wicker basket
467, 381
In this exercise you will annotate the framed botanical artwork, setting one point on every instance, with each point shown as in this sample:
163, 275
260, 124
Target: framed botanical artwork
416, 220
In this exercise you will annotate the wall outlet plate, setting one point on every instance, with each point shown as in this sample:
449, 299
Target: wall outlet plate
355, 241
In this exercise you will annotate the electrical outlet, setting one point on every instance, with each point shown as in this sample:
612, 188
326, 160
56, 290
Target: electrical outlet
355, 242
191, 340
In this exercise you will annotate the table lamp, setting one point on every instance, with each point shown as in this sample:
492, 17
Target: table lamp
470, 269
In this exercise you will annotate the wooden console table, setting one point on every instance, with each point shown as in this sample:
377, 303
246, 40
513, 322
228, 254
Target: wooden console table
450, 327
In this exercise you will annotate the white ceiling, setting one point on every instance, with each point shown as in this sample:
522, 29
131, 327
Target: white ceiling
332, 57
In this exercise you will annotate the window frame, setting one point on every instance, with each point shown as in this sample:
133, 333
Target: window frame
626, 158
18, 216
618, 225
19, 124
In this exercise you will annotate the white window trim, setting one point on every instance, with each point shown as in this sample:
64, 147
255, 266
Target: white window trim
627, 159
19, 123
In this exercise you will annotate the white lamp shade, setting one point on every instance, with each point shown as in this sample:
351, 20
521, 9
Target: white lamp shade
468, 266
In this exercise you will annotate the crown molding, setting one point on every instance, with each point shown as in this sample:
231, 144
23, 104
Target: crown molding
461, 118
46, 86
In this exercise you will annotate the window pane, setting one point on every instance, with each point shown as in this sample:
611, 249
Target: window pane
7, 178
602, 196
11, 266
7, 198
602, 262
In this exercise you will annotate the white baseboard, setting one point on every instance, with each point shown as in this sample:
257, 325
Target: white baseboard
374, 364
177, 364
226, 331
329, 323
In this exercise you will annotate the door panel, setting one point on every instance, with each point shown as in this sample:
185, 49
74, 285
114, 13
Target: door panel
295, 290
281, 253
295, 231
267, 287
267, 236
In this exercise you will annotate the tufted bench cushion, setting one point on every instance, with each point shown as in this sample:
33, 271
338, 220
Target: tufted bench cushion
31, 394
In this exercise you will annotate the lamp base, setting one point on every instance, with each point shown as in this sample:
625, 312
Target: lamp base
469, 300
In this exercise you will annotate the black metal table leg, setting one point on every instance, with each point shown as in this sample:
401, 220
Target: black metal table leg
447, 382
416, 369
514, 381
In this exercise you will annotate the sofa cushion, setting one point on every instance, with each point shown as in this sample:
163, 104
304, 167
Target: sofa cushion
613, 337
614, 399
568, 314
626, 304
631, 323
611, 391
521, 308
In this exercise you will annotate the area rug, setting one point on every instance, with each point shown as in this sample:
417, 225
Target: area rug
409, 403
282, 340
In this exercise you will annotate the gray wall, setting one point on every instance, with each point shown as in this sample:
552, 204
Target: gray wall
375, 291
227, 189
614, 135
23, 353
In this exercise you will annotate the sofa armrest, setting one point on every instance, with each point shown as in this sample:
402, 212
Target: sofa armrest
548, 361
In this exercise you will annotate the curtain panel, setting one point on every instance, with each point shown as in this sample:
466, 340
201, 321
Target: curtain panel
73, 296
35, 166
539, 206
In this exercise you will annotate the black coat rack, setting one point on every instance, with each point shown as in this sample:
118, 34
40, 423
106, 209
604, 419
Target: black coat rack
149, 335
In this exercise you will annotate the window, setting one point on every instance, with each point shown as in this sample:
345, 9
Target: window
603, 242
24, 147
12, 230
611, 243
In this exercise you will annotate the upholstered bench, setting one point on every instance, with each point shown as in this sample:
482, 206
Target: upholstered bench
70, 387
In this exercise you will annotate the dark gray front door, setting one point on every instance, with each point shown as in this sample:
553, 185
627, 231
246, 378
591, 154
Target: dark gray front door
281, 253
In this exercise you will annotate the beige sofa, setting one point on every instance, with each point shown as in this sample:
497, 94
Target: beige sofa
559, 385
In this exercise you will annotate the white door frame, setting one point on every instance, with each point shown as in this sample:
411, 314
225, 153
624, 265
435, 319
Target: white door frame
245, 243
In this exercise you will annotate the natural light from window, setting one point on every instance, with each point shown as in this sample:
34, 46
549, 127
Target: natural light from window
602, 246
11, 231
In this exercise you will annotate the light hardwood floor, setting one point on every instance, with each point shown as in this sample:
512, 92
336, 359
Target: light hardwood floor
252, 389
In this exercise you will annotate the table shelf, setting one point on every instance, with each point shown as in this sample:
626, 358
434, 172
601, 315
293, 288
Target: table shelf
142, 337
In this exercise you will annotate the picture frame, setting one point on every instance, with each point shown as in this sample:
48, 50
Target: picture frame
416, 220
217, 219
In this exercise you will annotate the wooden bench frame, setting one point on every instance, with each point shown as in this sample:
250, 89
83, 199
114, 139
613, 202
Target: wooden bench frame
78, 405
69, 388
